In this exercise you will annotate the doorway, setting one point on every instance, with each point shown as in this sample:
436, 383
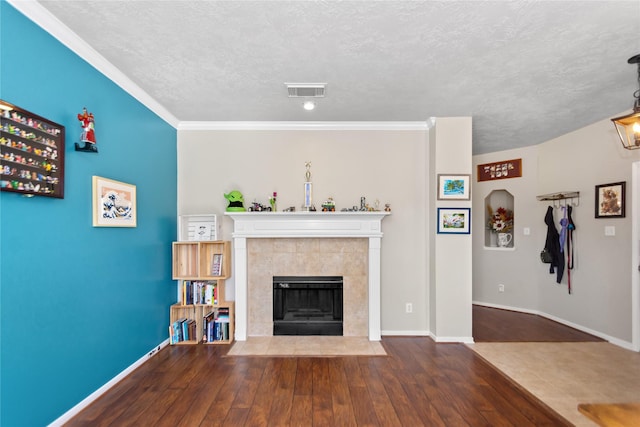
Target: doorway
635, 256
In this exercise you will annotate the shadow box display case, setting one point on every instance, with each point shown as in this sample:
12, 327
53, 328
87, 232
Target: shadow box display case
31, 153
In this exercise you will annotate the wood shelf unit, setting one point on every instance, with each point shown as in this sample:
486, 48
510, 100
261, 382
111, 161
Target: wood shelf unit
197, 313
207, 251
192, 262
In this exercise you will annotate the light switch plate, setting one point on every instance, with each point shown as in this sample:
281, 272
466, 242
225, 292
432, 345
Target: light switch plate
610, 230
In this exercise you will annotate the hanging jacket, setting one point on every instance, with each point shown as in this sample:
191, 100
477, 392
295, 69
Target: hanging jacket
552, 245
570, 229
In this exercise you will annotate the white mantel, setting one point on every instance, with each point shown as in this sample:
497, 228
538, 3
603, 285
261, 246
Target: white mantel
251, 225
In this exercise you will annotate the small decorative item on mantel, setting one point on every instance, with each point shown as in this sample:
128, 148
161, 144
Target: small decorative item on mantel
308, 190
88, 136
236, 201
501, 223
329, 205
273, 201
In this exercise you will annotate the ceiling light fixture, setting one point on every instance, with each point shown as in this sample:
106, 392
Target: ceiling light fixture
628, 126
307, 90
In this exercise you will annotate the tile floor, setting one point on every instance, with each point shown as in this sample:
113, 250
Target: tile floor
563, 375
307, 346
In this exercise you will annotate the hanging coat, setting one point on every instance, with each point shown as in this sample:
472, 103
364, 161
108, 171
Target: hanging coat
552, 245
570, 229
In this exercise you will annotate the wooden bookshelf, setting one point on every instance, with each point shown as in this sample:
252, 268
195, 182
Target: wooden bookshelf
193, 262
197, 313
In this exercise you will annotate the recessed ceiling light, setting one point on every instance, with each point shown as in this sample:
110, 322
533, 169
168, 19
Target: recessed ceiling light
309, 105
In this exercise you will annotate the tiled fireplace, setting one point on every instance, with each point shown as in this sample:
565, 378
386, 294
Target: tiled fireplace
307, 243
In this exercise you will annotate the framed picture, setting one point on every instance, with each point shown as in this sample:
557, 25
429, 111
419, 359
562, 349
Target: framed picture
216, 265
500, 170
454, 220
114, 203
610, 200
198, 228
454, 187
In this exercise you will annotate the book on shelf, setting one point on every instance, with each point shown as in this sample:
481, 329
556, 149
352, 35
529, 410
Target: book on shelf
225, 331
199, 292
172, 336
210, 293
216, 325
191, 328
223, 315
188, 292
185, 330
206, 320
177, 331
216, 265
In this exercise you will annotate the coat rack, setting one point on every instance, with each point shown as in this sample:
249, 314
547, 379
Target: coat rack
564, 198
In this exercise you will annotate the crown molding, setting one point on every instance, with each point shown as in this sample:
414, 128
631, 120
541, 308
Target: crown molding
52, 25
394, 126
44, 19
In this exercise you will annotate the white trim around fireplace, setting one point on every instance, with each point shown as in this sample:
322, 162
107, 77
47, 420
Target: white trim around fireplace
250, 225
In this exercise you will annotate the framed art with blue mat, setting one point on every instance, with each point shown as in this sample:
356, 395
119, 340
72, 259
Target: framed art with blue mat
454, 220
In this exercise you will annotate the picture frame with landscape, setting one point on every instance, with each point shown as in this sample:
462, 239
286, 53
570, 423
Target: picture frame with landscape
454, 187
114, 203
454, 220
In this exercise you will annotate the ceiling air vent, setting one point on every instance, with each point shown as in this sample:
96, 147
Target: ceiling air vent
306, 90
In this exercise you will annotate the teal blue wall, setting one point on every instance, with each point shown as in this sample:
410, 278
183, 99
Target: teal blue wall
79, 304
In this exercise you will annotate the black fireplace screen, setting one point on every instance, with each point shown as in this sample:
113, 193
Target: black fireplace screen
307, 305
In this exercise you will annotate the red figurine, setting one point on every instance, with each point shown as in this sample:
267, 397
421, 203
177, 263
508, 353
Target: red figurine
88, 132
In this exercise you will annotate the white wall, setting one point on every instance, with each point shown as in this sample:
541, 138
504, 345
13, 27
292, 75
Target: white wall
601, 280
395, 167
385, 165
451, 257
515, 267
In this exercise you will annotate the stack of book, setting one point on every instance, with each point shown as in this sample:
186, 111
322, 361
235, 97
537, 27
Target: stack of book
216, 325
199, 292
182, 330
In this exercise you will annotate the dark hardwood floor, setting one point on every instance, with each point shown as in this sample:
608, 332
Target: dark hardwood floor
495, 325
419, 383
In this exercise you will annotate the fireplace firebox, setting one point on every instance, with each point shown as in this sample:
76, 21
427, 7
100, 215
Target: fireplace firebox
307, 305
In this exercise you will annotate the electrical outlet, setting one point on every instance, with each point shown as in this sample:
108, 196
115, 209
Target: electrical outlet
501, 288
409, 308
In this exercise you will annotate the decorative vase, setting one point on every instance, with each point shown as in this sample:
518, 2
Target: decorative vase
504, 239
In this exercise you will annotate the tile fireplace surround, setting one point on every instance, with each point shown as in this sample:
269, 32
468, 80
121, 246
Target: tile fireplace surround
267, 244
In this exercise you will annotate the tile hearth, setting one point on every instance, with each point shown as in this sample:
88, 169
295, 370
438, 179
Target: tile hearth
319, 346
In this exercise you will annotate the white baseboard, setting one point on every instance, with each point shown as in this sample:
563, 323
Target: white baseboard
613, 340
464, 340
406, 333
99, 392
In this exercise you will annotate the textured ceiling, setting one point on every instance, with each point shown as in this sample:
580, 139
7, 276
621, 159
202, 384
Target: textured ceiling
526, 71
